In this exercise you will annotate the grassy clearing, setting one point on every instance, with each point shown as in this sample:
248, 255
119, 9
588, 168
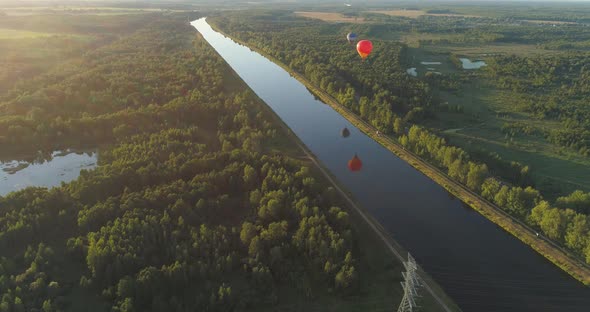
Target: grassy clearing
401, 13
551, 22
415, 57
480, 128
492, 48
331, 17
555, 170
23, 34
468, 49
340, 18
417, 13
552, 172
88, 10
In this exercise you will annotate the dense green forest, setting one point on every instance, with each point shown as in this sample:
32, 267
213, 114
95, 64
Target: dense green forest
380, 91
88, 99
196, 205
554, 88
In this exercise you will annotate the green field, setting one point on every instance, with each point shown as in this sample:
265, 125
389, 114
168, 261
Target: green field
32, 46
21, 34
79, 10
486, 109
479, 128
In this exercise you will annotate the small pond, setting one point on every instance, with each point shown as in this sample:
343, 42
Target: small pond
412, 72
468, 64
60, 166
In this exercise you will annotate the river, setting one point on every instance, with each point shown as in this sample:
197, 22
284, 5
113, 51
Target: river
479, 265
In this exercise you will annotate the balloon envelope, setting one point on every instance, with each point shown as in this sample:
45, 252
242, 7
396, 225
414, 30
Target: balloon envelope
364, 48
351, 37
355, 164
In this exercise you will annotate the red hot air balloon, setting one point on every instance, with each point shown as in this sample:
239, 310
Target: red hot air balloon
355, 164
364, 48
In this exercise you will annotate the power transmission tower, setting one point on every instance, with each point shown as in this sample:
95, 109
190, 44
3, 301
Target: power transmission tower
410, 283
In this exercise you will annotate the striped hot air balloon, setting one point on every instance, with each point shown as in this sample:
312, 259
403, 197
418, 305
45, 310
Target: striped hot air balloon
351, 37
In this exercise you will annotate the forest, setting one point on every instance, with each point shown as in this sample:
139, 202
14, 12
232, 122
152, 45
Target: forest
196, 205
30, 47
380, 91
556, 88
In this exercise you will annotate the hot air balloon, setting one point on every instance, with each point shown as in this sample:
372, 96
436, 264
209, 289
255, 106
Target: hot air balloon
355, 164
351, 37
345, 133
364, 48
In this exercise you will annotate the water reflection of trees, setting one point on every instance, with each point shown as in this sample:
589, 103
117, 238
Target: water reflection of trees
42, 157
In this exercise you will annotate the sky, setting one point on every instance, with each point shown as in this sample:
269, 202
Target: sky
393, 2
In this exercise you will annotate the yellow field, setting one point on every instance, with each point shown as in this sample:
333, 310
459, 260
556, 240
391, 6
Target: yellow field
416, 13
550, 22
339, 18
28, 11
331, 17
19, 34
402, 13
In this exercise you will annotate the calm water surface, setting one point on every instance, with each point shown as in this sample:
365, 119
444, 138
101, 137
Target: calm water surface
468, 64
61, 167
412, 72
479, 265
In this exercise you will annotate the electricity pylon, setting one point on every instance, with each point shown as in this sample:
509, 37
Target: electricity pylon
410, 283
